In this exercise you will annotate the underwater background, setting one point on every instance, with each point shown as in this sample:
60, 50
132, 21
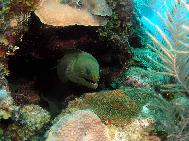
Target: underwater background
94, 70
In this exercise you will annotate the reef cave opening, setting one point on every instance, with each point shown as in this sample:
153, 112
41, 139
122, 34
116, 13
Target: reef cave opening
33, 78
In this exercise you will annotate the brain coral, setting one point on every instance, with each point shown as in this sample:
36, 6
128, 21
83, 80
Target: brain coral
81, 125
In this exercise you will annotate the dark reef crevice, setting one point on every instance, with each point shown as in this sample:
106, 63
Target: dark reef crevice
33, 76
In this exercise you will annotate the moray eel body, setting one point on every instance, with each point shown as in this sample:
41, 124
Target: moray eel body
79, 67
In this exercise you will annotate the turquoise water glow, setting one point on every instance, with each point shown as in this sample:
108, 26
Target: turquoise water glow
155, 10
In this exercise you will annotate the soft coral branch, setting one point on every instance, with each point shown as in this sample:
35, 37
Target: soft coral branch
173, 48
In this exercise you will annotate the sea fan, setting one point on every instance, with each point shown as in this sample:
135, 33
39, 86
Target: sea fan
171, 42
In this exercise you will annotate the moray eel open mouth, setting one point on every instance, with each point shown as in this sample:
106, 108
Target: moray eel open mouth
90, 83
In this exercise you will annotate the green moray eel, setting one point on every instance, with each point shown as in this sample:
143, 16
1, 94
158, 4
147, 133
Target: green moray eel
79, 67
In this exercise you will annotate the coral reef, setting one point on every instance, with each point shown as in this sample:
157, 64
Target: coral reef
114, 106
93, 12
80, 125
139, 77
168, 55
29, 121
143, 117
141, 57
31, 116
135, 131
14, 16
86, 125
148, 97
96, 7
140, 103
123, 30
6, 104
24, 92
155, 108
180, 129
122, 20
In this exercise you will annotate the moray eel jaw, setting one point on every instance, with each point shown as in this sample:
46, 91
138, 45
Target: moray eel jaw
89, 83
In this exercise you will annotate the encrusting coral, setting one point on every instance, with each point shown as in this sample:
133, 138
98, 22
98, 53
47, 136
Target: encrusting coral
6, 104
135, 131
153, 106
31, 116
138, 77
114, 106
123, 30
123, 116
95, 7
29, 121
24, 92
55, 13
85, 125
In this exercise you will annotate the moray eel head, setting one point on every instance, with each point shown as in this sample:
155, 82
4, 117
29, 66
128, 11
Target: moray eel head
81, 68
86, 71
